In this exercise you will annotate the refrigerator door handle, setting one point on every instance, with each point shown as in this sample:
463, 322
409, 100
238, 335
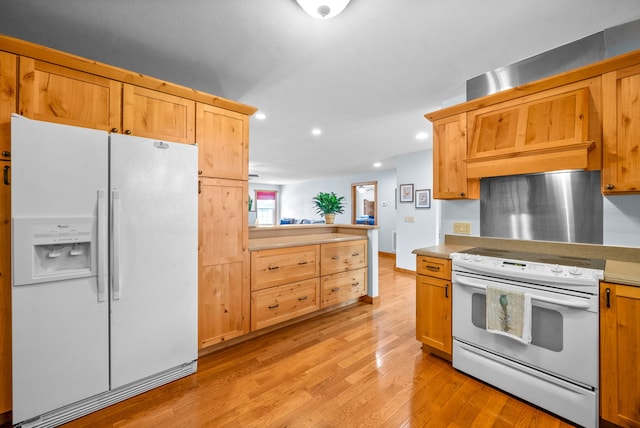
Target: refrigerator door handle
102, 246
115, 241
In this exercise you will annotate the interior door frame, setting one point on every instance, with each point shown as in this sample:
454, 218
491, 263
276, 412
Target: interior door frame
354, 194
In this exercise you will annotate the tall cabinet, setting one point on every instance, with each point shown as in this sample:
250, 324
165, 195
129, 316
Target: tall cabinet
8, 101
49, 85
223, 285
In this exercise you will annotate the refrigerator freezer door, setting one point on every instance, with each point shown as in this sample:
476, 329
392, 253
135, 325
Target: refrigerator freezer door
60, 329
154, 307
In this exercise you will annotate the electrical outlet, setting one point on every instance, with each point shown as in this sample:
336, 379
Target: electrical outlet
463, 228
409, 219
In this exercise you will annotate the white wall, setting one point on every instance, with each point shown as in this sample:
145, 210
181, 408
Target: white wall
621, 220
416, 227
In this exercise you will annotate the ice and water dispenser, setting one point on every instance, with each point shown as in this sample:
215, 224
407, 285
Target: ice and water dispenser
52, 249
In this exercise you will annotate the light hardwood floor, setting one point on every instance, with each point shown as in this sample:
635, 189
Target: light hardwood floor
360, 366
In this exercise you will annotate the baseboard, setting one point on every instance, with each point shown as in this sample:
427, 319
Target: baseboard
403, 270
387, 255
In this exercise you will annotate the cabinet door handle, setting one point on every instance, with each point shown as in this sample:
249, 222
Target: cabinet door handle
303, 298
274, 306
6, 154
128, 132
303, 263
609, 186
199, 186
199, 172
433, 268
446, 291
114, 130
607, 293
273, 267
6, 175
335, 258
335, 289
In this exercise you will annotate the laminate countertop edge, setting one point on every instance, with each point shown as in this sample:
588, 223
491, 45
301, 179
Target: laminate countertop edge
300, 240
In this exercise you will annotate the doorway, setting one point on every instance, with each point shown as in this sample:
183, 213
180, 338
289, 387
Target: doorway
365, 209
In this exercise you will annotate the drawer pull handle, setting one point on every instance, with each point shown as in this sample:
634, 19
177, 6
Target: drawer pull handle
274, 306
433, 268
335, 258
355, 254
355, 284
303, 298
335, 289
273, 267
302, 263
446, 291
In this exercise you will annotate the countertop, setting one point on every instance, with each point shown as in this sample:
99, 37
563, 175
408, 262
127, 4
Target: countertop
622, 263
298, 240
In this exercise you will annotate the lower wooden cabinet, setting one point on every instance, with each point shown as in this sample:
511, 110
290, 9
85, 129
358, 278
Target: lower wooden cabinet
287, 282
619, 353
284, 302
433, 305
342, 287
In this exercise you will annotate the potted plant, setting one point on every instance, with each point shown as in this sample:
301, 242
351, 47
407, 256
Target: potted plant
328, 205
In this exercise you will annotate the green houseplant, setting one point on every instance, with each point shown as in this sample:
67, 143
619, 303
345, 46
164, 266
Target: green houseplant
328, 205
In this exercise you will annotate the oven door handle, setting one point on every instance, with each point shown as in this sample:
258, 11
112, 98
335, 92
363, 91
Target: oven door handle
577, 304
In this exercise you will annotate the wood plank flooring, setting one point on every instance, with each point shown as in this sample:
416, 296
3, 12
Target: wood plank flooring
357, 367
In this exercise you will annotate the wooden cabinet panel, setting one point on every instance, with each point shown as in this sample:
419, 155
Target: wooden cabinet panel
223, 143
433, 266
57, 94
153, 114
543, 132
343, 256
433, 313
342, 287
284, 302
8, 104
621, 131
223, 278
449, 153
283, 265
619, 353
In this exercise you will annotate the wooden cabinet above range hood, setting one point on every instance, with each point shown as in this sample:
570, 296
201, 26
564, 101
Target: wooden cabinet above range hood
547, 131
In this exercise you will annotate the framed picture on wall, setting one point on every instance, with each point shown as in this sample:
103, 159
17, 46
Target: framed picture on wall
423, 198
406, 193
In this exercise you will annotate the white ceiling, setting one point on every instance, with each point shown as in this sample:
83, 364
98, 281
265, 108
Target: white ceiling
366, 77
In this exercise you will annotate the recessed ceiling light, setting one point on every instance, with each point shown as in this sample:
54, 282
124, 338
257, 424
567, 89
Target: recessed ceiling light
377, 164
261, 116
422, 136
316, 131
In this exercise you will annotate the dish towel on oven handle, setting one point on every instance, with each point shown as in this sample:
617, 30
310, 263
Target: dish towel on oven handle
509, 313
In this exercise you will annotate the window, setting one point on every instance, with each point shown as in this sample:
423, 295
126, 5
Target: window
266, 206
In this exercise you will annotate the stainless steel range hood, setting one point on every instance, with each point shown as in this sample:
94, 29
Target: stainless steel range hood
597, 47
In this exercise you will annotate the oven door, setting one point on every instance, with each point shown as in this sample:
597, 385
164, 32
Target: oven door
564, 328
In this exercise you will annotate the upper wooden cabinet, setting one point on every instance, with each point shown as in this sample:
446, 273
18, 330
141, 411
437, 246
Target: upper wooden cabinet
8, 100
153, 114
621, 131
223, 142
58, 94
548, 131
449, 153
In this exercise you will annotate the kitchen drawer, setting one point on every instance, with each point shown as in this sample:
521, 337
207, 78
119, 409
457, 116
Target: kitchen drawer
276, 304
433, 266
284, 265
341, 287
343, 256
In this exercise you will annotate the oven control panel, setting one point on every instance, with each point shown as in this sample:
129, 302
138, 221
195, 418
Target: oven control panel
527, 270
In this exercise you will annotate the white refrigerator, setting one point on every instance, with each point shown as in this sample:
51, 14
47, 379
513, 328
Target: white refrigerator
104, 255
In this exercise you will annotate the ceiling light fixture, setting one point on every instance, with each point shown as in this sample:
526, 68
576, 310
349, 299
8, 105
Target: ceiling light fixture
316, 131
261, 116
323, 9
377, 164
422, 136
